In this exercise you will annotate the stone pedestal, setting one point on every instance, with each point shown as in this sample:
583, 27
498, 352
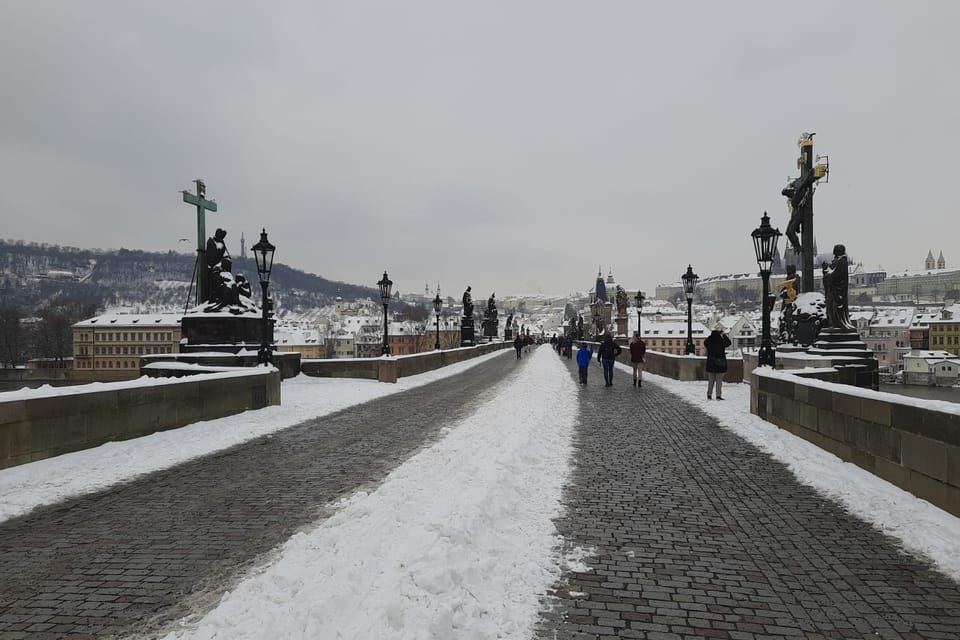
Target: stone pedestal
508, 334
467, 338
221, 332
839, 342
621, 326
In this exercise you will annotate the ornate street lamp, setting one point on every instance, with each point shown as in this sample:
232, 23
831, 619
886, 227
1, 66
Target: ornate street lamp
765, 246
385, 285
690, 280
437, 305
263, 254
639, 300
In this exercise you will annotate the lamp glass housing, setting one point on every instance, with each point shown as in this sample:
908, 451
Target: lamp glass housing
690, 280
263, 253
765, 240
386, 284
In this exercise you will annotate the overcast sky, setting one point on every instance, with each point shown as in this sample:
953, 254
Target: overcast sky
513, 146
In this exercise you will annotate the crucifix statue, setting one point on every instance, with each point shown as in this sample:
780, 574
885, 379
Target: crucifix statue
799, 194
202, 204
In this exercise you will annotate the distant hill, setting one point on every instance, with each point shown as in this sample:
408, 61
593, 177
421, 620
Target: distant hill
33, 274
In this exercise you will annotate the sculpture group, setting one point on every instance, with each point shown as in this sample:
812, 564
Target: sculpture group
226, 290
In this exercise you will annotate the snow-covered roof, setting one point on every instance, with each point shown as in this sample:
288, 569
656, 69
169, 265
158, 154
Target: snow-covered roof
132, 320
906, 273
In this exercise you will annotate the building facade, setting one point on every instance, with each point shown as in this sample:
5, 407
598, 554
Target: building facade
671, 337
109, 347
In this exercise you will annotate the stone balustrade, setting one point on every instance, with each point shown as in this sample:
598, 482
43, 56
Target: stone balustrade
913, 444
40, 424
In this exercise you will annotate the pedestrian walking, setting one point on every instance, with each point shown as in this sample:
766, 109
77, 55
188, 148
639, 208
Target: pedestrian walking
607, 355
716, 345
584, 354
518, 345
638, 349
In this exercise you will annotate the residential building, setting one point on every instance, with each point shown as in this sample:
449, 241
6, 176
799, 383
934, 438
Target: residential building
741, 330
671, 337
304, 340
945, 331
109, 346
344, 345
888, 336
931, 367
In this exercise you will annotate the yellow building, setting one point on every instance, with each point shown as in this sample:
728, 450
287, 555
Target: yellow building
109, 347
945, 334
305, 341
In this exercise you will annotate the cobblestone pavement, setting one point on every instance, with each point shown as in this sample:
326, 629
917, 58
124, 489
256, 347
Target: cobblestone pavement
133, 558
698, 534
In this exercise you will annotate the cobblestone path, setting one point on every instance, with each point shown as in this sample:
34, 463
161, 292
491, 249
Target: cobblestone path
132, 558
698, 534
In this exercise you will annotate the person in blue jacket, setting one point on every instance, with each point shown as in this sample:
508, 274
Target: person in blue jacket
584, 353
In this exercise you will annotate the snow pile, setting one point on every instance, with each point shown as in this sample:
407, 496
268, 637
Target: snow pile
456, 543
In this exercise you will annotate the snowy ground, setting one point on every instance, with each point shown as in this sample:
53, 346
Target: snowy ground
457, 541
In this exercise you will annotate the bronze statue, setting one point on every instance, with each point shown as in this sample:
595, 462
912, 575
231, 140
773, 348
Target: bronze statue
492, 304
467, 304
835, 286
225, 288
789, 286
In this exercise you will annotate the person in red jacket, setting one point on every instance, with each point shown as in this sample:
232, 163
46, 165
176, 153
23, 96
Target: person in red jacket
638, 349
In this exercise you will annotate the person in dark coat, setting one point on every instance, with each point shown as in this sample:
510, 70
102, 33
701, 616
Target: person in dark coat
716, 345
607, 355
638, 349
518, 345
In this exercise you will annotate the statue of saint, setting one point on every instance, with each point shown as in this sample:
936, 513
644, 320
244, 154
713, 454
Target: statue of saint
835, 286
216, 248
621, 301
467, 304
492, 305
580, 327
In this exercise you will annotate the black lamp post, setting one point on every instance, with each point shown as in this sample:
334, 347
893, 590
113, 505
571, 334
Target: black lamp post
263, 254
690, 280
765, 245
437, 305
385, 285
639, 300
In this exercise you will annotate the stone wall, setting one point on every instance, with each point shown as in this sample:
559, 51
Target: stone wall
33, 428
913, 447
391, 368
676, 367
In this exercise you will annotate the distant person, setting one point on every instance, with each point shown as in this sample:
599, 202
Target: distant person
716, 345
518, 345
607, 355
584, 354
638, 349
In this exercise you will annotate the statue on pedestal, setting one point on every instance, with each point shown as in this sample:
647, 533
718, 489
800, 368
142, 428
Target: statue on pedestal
835, 287
467, 304
621, 299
